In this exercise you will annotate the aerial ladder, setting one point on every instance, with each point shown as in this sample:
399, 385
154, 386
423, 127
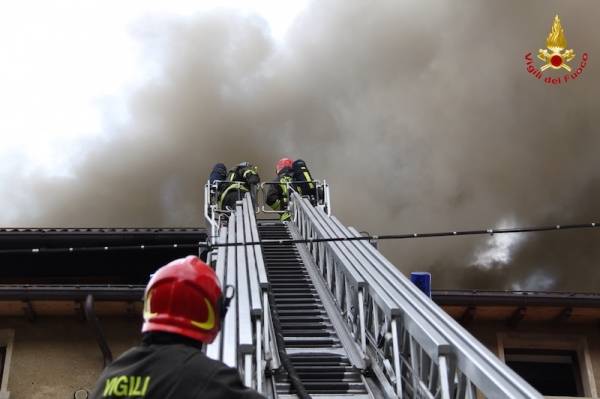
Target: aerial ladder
323, 318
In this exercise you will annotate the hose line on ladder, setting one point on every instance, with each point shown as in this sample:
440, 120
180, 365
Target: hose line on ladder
283, 356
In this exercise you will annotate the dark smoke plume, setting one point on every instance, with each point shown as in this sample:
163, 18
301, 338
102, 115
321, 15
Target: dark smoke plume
420, 114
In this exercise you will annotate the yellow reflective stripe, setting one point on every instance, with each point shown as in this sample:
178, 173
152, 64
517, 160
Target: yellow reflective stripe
209, 324
134, 384
249, 171
276, 205
283, 185
126, 386
145, 388
235, 186
111, 383
147, 314
285, 216
309, 180
121, 388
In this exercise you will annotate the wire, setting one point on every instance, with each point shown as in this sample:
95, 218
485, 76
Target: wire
303, 241
101, 248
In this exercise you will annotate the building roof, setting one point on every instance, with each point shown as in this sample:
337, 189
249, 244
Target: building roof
441, 297
125, 256
114, 264
515, 298
514, 307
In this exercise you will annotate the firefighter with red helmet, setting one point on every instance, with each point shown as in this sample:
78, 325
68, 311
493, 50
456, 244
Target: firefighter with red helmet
184, 307
278, 196
294, 174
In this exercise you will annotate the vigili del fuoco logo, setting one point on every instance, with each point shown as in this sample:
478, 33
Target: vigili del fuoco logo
556, 57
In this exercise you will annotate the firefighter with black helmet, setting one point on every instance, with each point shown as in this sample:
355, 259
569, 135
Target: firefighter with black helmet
233, 185
184, 307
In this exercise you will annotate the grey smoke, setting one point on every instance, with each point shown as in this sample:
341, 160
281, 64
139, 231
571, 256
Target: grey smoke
420, 114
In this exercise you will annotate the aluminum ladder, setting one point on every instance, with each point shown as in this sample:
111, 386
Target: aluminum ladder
311, 341
353, 325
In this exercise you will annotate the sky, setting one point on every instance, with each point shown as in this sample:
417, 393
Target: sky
67, 63
420, 114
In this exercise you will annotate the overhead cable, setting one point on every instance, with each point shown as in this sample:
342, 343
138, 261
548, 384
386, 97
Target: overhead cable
371, 238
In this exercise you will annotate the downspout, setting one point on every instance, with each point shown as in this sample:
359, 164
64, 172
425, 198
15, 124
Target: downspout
92, 319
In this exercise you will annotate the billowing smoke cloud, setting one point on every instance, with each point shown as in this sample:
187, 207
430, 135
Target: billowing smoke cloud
420, 114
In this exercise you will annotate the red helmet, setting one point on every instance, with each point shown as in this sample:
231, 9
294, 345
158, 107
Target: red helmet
283, 163
185, 298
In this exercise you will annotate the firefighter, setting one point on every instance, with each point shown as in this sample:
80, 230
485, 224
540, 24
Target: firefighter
184, 307
241, 179
218, 173
278, 195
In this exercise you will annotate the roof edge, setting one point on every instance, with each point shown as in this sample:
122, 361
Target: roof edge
519, 298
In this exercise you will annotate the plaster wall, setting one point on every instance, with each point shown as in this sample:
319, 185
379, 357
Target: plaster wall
55, 356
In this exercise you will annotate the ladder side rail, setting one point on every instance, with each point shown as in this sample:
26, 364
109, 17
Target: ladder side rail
213, 350
260, 263
245, 330
444, 357
326, 232
340, 273
245, 336
245, 325
263, 281
404, 319
491, 376
256, 307
393, 377
341, 256
326, 198
387, 380
208, 211
325, 256
255, 291
318, 232
230, 344
419, 327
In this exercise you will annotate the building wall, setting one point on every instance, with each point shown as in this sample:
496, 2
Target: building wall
54, 356
490, 334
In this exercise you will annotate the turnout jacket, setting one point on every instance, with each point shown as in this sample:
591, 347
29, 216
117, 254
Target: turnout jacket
168, 366
241, 179
277, 194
